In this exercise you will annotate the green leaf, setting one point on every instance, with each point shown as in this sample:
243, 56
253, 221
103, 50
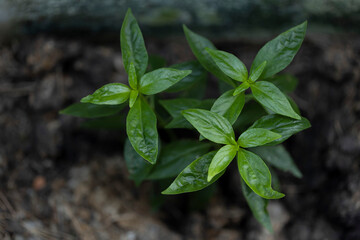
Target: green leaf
280, 51
271, 97
229, 64
256, 174
132, 45
257, 206
278, 157
132, 77
198, 44
198, 74
109, 94
133, 96
254, 137
160, 80
241, 88
141, 130
287, 83
88, 110
211, 125
193, 177
284, 126
257, 72
176, 106
175, 156
221, 160
293, 104
229, 106
138, 167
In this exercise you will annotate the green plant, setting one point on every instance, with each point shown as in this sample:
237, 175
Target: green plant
266, 116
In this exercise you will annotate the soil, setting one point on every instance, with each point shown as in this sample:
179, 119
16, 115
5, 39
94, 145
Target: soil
61, 181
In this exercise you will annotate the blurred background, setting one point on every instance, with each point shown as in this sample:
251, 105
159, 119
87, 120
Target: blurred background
63, 179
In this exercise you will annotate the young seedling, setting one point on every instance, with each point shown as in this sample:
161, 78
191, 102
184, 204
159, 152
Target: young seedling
266, 117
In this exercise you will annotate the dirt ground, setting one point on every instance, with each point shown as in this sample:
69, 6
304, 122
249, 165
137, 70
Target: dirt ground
61, 181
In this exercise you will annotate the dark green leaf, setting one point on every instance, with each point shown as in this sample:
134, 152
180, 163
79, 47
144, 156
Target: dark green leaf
241, 88
257, 205
109, 94
160, 80
176, 106
133, 46
254, 137
211, 125
278, 157
221, 160
138, 167
229, 64
271, 97
88, 110
229, 106
141, 130
257, 72
198, 44
193, 177
256, 174
197, 75
285, 82
176, 156
280, 51
282, 125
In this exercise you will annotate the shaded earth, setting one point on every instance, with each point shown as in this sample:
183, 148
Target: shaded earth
61, 181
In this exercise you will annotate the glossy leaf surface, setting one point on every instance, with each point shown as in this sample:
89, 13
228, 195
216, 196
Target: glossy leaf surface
257, 205
133, 96
198, 44
138, 167
278, 157
175, 156
211, 125
221, 160
284, 126
141, 130
89, 110
280, 51
241, 88
256, 174
229, 106
257, 72
271, 97
132, 45
194, 176
254, 137
109, 94
133, 81
229, 64
160, 80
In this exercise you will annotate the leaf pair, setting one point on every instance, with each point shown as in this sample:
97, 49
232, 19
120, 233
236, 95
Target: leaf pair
219, 130
271, 59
